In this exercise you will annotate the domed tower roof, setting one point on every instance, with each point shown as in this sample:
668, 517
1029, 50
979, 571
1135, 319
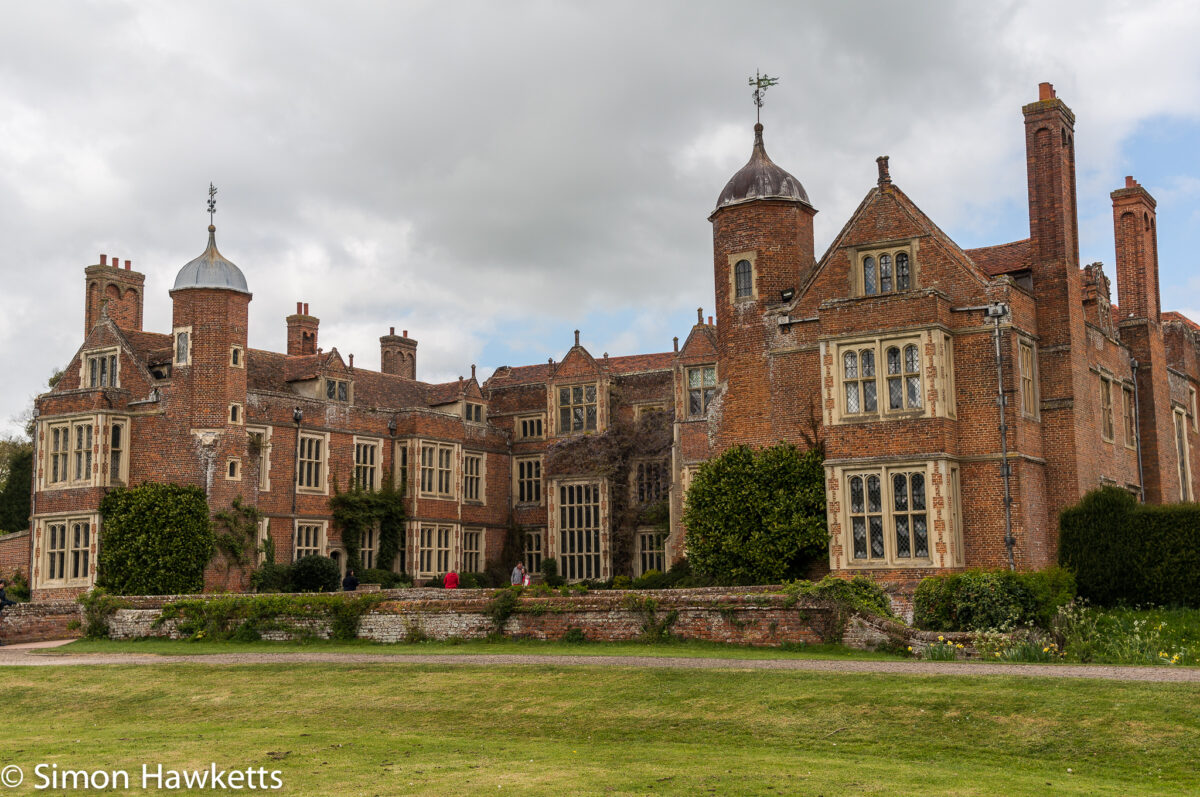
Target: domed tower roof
211, 270
760, 178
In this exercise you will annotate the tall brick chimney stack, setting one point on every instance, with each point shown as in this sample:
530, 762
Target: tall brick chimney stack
119, 291
302, 331
398, 354
1136, 236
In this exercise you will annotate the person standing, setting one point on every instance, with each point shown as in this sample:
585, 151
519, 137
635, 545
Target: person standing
451, 580
518, 574
350, 582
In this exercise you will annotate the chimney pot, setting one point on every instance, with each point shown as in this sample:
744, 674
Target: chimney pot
699, 315
1130, 182
391, 330
405, 333
710, 323
472, 370
104, 260
676, 344
306, 308
885, 177
128, 265
351, 360
1046, 91
577, 337
299, 308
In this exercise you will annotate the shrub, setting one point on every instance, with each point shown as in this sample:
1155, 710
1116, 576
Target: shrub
858, 594
436, 582
757, 517
270, 577
475, 581
574, 636
98, 609
155, 539
1125, 553
18, 587
622, 582
982, 599
385, 578
315, 574
651, 579
550, 573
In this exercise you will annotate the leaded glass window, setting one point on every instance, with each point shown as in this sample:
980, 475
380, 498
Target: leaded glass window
902, 276
742, 273
577, 409
885, 273
702, 386
870, 287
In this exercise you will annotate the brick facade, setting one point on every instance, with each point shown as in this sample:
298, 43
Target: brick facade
885, 349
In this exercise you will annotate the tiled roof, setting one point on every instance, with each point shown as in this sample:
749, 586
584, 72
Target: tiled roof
151, 347
271, 371
1172, 315
443, 393
1003, 258
631, 364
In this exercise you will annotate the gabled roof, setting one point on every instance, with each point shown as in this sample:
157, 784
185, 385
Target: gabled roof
506, 376
152, 348
1003, 258
1172, 315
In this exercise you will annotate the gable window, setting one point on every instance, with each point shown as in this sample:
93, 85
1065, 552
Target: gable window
888, 271
1028, 381
434, 550
473, 412
1130, 416
472, 551
577, 409
236, 357
309, 539
702, 386
437, 470
742, 280
533, 550
652, 551
100, 369
183, 346
1106, 409
473, 478
649, 482
529, 480
579, 530
530, 427
310, 469
337, 390
366, 464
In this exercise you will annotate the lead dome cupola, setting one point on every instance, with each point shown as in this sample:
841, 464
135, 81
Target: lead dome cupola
211, 270
760, 178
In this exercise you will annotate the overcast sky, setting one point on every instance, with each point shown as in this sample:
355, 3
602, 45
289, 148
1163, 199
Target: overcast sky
491, 176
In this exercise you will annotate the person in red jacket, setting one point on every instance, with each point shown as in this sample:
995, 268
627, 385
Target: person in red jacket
451, 580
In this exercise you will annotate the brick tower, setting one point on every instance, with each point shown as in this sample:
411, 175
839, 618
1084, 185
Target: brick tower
762, 245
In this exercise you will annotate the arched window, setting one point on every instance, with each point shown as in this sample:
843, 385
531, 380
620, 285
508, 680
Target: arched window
902, 278
858, 371
869, 286
741, 279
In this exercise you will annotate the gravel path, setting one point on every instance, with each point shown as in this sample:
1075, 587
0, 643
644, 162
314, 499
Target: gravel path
21, 656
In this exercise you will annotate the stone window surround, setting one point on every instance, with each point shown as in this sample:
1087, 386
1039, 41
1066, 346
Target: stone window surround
539, 480
942, 506
535, 548
534, 420
858, 255
263, 534
121, 476
237, 356
1108, 427
880, 344
1194, 406
645, 553
481, 475
336, 382
1129, 412
599, 401
1183, 453
645, 408
437, 448
41, 544
479, 553
233, 470
647, 476
1031, 378
237, 414
553, 529
175, 333
473, 412
752, 257
437, 553
322, 470
103, 355
376, 466
687, 390
322, 536
264, 455
101, 429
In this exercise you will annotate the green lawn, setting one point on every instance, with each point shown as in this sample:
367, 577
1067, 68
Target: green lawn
480, 647
474, 728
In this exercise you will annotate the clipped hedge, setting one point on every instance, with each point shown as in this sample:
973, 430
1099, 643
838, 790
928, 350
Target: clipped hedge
1122, 552
981, 599
155, 539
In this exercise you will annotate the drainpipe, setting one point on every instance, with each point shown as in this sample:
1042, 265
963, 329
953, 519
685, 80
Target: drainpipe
1137, 431
996, 312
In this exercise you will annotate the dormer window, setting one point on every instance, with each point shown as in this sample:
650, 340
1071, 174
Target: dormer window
100, 369
337, 390
473, 412
884, 271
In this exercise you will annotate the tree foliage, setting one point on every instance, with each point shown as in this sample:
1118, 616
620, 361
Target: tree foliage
15, 486
155, 539
357, 511
757, 516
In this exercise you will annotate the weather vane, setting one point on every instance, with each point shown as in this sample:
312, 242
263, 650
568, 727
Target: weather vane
760, 83
212, 202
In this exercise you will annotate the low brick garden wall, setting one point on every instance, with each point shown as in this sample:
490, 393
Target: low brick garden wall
38, 622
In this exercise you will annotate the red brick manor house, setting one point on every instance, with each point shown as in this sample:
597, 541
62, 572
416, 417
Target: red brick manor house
893, 347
